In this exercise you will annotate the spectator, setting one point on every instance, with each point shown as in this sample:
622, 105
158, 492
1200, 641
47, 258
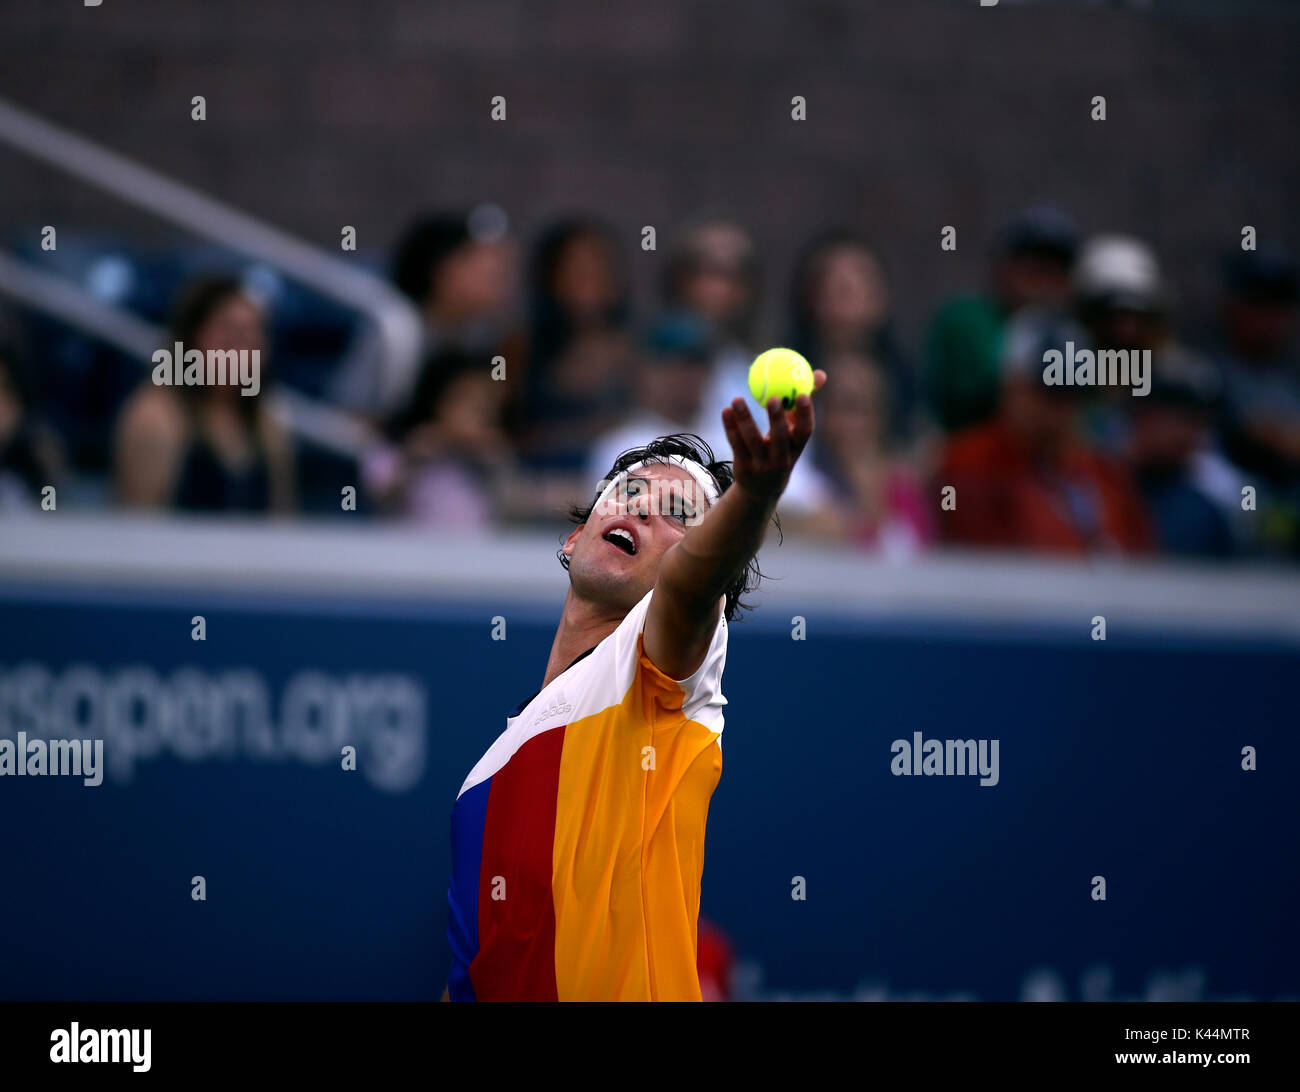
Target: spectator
579, 355
712, 272
1031, 268
30, 456
1260, 422
1191, 493
876, 501
1123, 302
458, 270
1022, 480
448, 450
672, 375
841, 305
206, 448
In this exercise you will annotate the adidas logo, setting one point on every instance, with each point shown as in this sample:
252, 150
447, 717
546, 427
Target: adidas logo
557, 708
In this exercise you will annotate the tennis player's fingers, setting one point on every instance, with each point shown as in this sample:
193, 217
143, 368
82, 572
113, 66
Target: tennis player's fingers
803, 423
780, 431
748, 429
731, 423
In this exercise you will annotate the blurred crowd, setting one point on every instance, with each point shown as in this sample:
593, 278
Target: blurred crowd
537, 370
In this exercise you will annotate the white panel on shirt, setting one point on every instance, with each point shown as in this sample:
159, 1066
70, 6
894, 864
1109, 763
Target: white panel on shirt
601, 680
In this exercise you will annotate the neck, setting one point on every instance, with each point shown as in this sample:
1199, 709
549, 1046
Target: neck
583, 625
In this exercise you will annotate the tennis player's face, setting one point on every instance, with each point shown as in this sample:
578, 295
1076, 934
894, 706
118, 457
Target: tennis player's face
615, 555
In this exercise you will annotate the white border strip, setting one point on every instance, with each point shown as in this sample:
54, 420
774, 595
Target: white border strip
394, 562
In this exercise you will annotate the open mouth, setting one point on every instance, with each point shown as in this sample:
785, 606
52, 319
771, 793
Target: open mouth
622, 539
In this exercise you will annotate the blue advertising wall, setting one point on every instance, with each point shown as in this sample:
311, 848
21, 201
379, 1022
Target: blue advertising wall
1119, 759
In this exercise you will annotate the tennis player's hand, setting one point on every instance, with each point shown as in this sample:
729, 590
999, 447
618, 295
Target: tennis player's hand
762, 463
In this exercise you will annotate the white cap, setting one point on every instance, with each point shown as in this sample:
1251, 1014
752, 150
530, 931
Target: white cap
1121, 270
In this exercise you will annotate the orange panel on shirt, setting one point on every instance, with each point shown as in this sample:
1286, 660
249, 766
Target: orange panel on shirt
629, 846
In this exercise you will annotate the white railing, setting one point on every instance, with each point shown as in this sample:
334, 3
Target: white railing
75, 553
395, 320
68, 302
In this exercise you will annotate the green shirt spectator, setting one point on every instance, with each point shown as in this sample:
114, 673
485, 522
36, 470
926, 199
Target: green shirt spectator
1032, 258
962, 362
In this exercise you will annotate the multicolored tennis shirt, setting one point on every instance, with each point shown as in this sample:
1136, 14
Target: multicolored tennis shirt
578, 839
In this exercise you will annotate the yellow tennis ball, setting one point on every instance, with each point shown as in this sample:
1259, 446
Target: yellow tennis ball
780, 373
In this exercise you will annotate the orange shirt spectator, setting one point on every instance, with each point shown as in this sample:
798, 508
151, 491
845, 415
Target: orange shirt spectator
1024, 482
1078, 502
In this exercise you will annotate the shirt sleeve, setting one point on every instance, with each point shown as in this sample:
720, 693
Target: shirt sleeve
701, 694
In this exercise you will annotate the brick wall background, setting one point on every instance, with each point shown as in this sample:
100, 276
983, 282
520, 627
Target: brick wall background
920, 113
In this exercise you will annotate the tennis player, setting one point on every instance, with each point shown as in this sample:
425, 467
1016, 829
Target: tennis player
578, 839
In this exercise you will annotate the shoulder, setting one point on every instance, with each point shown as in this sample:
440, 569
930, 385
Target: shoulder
699, 696
272, 434
154, 408
152, 420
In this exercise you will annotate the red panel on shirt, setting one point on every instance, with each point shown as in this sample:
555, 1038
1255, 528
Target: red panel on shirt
516, 959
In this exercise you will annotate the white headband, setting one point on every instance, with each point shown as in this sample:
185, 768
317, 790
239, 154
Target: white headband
696, 470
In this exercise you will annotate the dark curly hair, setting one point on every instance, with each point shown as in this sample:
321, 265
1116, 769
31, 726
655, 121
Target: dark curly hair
690, 446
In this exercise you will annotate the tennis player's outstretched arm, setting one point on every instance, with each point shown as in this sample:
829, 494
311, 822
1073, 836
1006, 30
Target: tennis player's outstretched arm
696, 572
